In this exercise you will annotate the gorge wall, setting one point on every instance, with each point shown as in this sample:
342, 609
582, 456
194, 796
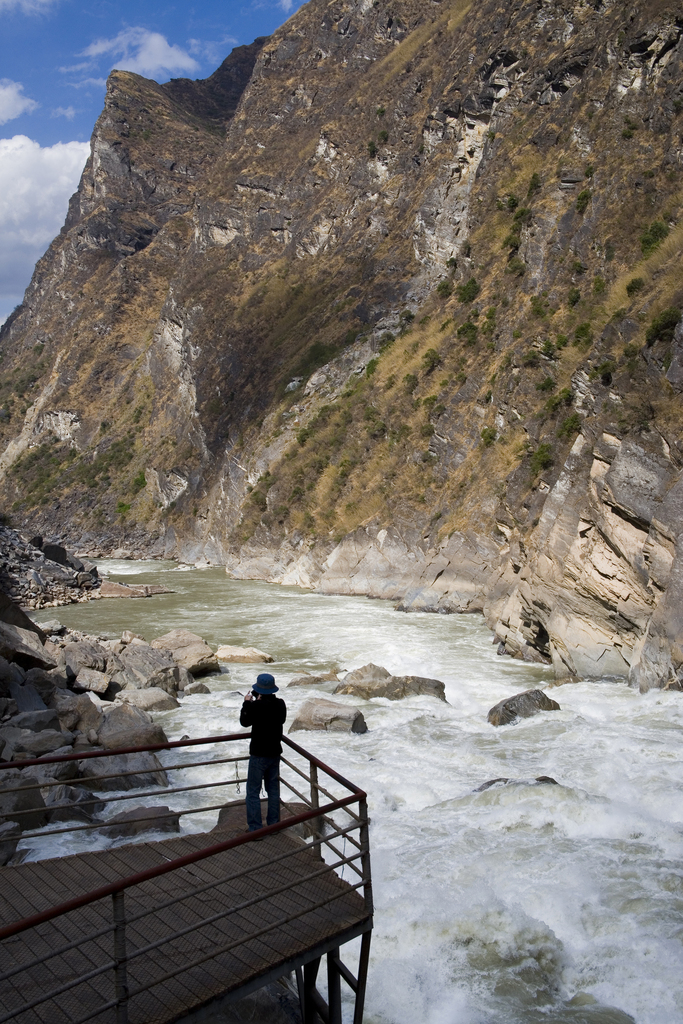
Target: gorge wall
389, 305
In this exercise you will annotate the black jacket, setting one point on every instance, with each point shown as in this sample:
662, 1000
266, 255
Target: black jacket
265, 717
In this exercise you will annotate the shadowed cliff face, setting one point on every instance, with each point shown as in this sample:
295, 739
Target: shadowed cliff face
389, 304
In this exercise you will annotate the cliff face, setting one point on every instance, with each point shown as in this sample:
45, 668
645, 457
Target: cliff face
390, 304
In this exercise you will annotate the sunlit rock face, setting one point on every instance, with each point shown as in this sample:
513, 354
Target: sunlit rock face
388, 305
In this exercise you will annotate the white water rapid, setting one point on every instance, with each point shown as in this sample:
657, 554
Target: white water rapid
520, 904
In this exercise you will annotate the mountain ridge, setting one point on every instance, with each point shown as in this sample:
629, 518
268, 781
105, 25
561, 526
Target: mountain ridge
405, 331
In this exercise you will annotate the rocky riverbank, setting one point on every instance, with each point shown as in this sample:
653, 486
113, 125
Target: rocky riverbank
38, 575
63, 692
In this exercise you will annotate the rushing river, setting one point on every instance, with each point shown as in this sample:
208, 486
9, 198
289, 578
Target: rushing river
519, 904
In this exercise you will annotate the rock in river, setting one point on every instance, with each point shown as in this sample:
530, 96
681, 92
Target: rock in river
142, 819
522, 705
188, 650
139, 666
374, 681
137, 771
246, 655
328, 716
151, 699
128, 726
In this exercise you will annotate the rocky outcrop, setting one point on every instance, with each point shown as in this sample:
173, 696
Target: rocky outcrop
598, 593
322, 715
188, 650
374, 681
38, 575
522, 705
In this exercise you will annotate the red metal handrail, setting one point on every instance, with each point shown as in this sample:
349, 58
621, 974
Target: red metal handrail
357, 795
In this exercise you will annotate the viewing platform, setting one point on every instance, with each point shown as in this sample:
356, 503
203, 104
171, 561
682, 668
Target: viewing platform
147, 932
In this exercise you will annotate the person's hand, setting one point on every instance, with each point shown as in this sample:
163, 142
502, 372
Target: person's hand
248, 697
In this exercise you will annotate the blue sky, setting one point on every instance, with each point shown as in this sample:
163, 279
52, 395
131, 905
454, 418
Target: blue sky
55, 56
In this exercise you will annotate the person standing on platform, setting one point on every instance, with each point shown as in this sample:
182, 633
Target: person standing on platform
264, 714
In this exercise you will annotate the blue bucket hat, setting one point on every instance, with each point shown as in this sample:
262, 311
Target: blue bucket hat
265, 684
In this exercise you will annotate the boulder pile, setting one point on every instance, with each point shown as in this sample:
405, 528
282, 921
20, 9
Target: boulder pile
63, 692
41, 575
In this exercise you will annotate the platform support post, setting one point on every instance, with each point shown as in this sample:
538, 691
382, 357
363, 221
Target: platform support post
334, 988
120, 957
306, 980
362, 977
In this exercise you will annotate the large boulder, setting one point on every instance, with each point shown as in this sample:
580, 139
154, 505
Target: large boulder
140, 666
245, 655
151, 699
90, 680
24, 744
188, 650
61, 771
195, 687
142, 819
84, 654
11, 613
35, 720
21, 803
328, 716
128, 726
24, 647
326, 681
138, 771
522, 705
72, 803
374, 681
25, 696
44, 682
76, 711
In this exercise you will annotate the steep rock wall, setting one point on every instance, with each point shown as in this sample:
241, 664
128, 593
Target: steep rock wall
383, 307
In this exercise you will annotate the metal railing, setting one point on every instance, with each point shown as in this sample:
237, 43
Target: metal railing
110, 964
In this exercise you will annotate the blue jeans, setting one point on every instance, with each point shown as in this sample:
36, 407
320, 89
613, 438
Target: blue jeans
264, 770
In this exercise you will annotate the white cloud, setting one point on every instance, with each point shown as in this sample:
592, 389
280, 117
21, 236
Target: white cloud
214, 51
68, 112
99, 83
12, 103
26, 6
35, 185
144, 52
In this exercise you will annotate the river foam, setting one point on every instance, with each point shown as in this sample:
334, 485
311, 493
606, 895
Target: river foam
519, 903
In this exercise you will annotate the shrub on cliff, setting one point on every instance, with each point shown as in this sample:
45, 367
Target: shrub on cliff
663, 326
542, 458
431, 359
468, 292
468, 332
582, 200
653, 236
569, 426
